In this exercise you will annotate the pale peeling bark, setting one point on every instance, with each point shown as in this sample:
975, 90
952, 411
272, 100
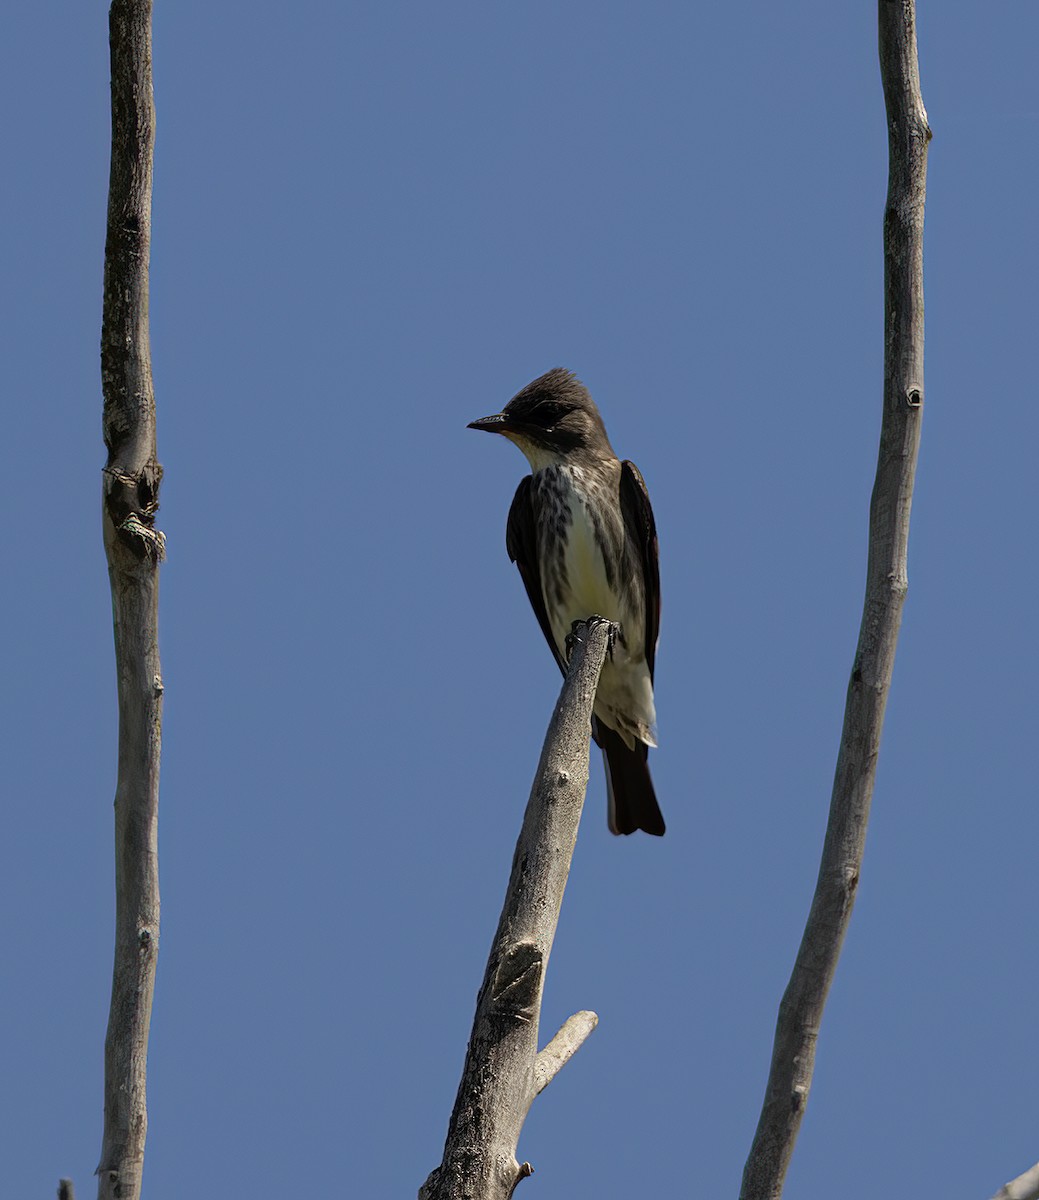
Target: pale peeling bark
800, 1012
1024, 1187
130, 497
503, 1070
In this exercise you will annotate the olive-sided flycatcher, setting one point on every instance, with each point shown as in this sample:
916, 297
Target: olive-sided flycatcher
581, 531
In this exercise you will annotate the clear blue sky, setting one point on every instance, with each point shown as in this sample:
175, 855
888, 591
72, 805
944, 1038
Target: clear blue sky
372, 224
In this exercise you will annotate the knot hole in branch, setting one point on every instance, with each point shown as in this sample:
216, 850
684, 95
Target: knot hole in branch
517, 980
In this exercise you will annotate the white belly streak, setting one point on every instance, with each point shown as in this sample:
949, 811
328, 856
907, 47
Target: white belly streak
590, 594
624, 699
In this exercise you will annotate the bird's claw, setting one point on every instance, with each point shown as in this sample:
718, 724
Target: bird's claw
612, 637
572, 639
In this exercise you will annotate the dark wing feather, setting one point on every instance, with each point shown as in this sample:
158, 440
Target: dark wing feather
638, 514
521, 543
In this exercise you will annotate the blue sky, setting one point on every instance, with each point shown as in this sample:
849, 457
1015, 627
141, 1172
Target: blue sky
373, 223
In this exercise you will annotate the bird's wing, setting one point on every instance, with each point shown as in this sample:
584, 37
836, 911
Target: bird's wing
521, 543
643, 530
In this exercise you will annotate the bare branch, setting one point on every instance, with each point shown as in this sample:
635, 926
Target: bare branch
65, 1190
503, 1071
561, 1049
130, 498
800, 1012
1024, 1187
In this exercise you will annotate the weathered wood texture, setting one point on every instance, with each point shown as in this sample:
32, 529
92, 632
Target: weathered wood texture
1024, 1187
134, 548
503, 1070
801, 1009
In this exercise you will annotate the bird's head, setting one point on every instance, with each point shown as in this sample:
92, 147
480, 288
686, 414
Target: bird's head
551, 418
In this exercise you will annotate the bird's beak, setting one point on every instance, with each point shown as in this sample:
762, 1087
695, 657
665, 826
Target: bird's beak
499, 423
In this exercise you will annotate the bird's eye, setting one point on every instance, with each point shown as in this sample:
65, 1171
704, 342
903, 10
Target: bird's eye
549, 412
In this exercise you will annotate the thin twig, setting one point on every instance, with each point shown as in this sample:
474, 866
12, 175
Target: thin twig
134, 548
800, 1012
503, 1070
559, 1051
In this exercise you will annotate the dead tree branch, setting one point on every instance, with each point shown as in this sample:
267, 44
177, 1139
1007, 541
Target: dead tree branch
134, 548
503, 1070
801, 1009
1024, 1187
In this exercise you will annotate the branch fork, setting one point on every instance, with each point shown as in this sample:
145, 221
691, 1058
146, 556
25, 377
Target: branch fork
504, 1070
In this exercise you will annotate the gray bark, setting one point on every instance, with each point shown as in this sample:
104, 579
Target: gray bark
1024, 1187
134, 548
503, 1070
801, 1009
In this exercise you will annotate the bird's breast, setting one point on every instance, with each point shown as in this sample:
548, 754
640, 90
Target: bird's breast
581, 547
584, 561
588, 568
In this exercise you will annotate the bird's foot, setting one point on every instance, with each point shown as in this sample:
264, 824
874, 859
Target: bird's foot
613, 636
572, 639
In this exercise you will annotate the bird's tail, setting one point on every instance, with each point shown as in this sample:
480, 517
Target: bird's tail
629, 788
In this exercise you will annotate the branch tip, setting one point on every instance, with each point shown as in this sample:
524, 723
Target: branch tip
572, 1035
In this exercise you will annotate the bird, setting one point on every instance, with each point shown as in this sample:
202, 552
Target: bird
582, 533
